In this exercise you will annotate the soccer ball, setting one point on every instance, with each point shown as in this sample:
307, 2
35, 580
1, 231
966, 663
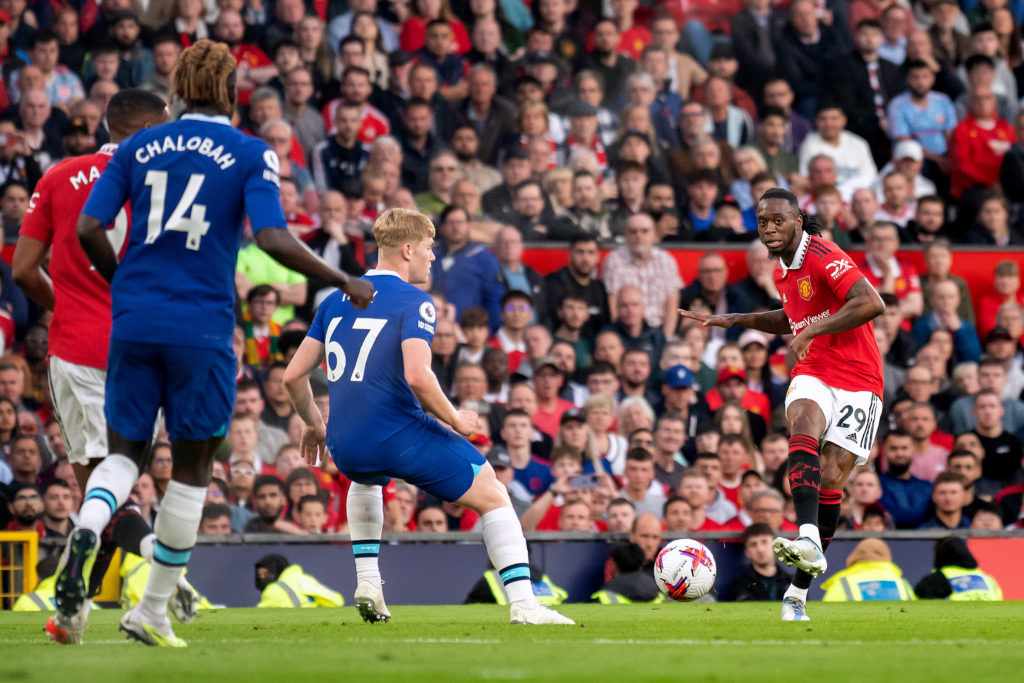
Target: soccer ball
685, 570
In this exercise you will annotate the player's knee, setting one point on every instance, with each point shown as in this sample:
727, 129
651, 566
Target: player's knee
802, 423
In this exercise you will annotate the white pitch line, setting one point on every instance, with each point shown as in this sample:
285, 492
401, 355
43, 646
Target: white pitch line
595, 641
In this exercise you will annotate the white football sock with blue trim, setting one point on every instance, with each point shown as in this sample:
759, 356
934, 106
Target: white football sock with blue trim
506, 546
365, 509
108, 489
176, 526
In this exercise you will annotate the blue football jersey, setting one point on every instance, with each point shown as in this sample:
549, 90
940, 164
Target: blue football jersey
190, 183
370, 400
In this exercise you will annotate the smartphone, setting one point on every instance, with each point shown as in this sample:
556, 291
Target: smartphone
584, 481
3, 138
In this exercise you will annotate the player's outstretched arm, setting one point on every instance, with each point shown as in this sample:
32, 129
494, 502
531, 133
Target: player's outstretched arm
28, 272
423, 382
293, 254
92, 235
863, 304
772, 322
296, 380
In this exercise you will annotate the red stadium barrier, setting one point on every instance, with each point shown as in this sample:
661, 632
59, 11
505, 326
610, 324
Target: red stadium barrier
1002, 558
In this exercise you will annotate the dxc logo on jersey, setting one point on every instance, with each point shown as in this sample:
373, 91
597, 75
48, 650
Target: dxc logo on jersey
838, 267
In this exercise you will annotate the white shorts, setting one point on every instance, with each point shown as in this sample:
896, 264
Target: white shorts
77, 392
851, 417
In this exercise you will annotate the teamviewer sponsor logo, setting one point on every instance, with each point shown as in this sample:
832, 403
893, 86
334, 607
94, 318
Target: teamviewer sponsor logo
796, 327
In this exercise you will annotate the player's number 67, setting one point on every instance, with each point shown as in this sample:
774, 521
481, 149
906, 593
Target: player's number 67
335, 351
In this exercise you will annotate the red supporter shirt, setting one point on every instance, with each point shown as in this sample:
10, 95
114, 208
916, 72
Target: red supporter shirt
714, 14
905, 278
754, 401
977, 153
548, 422
815, 287
414, 33
374, 123
80, 331
732, 494
255, 58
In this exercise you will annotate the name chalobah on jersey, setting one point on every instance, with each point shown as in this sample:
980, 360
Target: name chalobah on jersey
200, 145
796, 327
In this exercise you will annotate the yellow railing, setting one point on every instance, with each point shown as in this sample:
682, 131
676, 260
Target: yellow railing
19, 551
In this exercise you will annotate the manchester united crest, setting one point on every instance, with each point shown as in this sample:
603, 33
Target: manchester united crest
803, 286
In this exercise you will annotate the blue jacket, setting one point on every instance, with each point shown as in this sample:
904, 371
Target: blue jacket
469, 277
905, 499
966, 346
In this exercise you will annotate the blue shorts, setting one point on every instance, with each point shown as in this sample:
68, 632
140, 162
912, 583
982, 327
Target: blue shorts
195, 387
429, 456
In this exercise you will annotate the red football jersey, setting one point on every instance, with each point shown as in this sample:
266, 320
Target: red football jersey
80, 331
374, 123
815, 287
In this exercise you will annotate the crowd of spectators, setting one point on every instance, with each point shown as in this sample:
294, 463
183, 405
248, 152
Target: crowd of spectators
620, 125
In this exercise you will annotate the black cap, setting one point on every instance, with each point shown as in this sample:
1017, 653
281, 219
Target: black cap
722, 51
572, 415
998, 333
75, 125
399, 58
499, 457
727, 200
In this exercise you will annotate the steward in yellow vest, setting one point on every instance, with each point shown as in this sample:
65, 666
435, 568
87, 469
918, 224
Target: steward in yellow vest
957, 576
490, 589
134, 575
869, 575
631, 580
286, 585
39, 600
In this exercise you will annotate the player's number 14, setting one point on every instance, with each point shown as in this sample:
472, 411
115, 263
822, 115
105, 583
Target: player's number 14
336, 360
195, 226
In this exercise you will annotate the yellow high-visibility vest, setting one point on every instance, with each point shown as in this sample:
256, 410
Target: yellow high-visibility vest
545, 590
134, 575
295, 588
971, 584
868, 581
607, 597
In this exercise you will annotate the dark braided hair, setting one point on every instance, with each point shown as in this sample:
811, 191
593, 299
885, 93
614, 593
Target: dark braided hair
810, 223
205, 77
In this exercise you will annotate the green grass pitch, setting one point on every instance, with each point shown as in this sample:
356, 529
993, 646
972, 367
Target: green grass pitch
910, 641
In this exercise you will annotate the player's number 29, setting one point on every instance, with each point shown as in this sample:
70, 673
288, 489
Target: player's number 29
858, 415
336, 359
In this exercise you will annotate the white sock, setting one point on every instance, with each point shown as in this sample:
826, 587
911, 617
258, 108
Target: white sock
811, 531
146, 547
107, 489
176, 526
794, 592
506, 546
365, 509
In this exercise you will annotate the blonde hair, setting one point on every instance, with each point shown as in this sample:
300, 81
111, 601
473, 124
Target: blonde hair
534, 107
201, 77
600, 401
396, 227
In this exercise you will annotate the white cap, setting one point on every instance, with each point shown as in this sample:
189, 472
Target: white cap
908, 149
754, 337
